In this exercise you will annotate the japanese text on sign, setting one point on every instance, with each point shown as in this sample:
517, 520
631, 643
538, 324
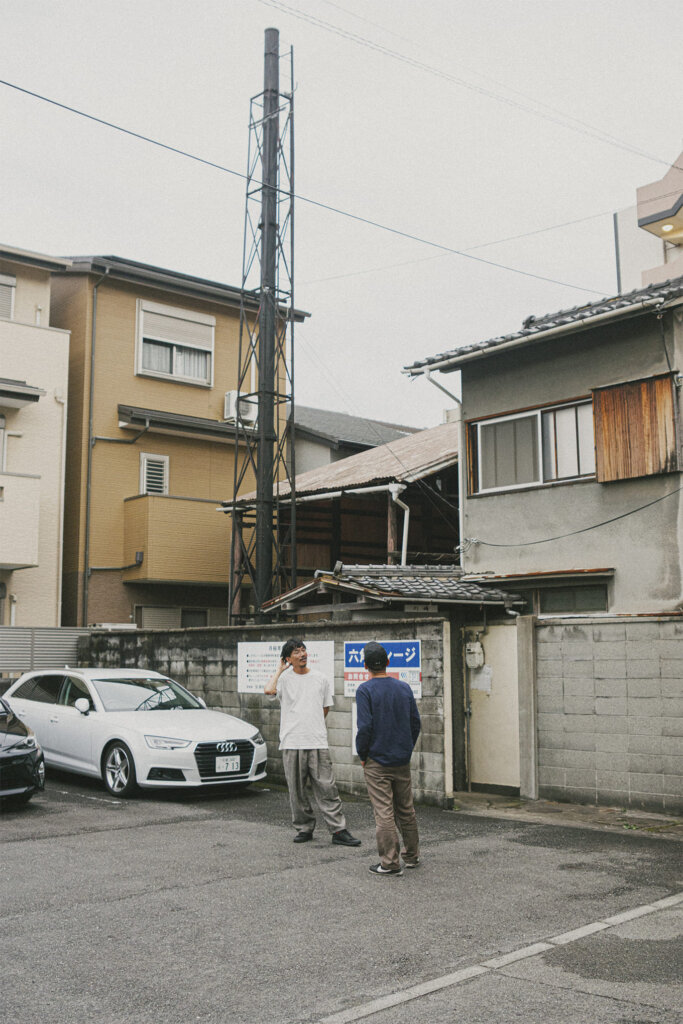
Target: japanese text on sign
256, 662
405, 662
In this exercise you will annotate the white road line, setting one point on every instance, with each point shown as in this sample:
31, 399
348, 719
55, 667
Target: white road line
355, 1013
578, 933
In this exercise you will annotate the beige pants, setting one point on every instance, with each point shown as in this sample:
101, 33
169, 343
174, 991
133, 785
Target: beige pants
391, 795
314, 767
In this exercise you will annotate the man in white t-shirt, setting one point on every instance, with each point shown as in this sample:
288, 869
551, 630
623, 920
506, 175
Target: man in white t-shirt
306, 695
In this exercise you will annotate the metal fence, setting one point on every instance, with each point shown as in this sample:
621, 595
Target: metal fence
23, 648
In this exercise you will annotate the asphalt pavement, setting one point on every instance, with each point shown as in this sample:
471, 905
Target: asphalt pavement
182, 907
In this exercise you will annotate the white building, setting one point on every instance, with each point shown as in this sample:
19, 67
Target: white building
34, 367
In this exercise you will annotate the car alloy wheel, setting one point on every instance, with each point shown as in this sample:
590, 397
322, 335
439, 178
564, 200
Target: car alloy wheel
119, 770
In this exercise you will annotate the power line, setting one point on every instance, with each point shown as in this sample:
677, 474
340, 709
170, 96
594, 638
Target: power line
304, 199
575, 533
583, 128
471, 248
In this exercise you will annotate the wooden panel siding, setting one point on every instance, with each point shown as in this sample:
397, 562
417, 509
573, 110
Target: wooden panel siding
635, 429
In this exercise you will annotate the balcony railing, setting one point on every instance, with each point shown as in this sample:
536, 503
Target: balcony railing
181, 540
19, 519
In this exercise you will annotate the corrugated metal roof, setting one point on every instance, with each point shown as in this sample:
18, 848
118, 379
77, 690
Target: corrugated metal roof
534, 327
403, 461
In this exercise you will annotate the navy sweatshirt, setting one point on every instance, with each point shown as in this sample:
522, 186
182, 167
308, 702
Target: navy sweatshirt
388, 721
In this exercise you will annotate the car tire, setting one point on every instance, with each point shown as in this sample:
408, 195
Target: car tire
118, 770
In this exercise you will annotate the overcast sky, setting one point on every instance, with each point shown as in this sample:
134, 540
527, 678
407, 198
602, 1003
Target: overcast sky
462, 123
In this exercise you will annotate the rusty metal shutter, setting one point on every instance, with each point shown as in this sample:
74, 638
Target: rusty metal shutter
635, 429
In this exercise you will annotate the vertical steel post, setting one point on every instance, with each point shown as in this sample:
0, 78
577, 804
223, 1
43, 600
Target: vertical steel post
266, 383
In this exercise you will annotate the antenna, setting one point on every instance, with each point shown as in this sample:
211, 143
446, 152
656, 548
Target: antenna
263, 550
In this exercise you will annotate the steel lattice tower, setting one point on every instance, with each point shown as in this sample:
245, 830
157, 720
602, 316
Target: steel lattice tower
263, 540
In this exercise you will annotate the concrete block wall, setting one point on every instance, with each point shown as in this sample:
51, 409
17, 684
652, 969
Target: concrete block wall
610, 711
205, 661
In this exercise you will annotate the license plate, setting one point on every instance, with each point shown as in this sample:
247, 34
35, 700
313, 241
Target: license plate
227, 764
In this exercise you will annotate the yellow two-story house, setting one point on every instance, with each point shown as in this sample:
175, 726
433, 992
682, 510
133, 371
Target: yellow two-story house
150, 451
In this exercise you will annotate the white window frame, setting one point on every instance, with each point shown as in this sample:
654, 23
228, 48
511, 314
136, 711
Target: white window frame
540, 481
8, 281
145, 459
143, 306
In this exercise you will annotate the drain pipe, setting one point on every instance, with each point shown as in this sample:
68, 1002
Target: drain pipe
462, 482
395, 490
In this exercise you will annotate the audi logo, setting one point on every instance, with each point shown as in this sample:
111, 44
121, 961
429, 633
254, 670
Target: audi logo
227, 747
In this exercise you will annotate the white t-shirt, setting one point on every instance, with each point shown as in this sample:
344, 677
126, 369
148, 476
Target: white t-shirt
302, 699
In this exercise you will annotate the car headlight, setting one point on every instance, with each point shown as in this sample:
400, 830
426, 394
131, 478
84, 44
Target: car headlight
257, 738
29, 743
166, 743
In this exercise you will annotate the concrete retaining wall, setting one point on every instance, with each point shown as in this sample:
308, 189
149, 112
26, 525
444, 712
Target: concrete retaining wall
610, 711
205, 660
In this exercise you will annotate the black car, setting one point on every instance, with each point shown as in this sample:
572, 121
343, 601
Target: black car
22, 768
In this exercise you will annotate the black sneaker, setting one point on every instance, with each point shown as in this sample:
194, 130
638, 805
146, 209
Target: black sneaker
344, 838
377, 869
303, 837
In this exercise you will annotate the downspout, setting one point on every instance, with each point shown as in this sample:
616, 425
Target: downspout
462, 483
395, 490
91, 442
59, 397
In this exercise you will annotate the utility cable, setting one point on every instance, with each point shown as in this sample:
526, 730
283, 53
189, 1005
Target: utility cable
575, 533
581, 127
304, 199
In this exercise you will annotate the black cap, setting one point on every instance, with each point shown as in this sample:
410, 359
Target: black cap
375, 656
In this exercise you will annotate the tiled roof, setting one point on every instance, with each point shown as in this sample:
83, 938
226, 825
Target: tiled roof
427, 583
431, 584
534, 327
341, 428
404, 461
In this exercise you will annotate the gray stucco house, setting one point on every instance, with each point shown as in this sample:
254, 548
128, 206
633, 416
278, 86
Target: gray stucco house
570, 432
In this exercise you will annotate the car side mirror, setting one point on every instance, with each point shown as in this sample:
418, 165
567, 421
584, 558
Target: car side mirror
82, 704
202, 701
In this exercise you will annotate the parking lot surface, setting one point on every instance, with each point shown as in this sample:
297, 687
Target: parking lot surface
182, 907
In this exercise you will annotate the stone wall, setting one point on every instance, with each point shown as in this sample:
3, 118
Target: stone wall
205, 661
610, 711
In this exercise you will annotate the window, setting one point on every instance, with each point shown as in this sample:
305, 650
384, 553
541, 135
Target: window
176, 344
537, 447
46, 689
7, 289
635, 429
571, 600
72, 690
153, 473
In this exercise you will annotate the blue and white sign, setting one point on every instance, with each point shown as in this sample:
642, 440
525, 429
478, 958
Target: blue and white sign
405, 662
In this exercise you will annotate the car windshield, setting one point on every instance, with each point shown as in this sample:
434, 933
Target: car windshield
143, 694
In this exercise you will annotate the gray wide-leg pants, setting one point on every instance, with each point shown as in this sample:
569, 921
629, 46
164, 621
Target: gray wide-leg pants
314, 766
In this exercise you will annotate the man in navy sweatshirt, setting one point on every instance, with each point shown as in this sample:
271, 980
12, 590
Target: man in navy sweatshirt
388, 728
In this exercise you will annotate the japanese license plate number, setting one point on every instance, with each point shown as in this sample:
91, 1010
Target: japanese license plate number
227, 764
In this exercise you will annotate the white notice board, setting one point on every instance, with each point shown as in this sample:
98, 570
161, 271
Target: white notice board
256, 662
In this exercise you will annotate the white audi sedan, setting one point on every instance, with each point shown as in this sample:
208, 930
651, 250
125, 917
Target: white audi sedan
133, 727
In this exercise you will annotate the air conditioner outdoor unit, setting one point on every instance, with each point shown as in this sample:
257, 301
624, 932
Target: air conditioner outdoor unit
248, 409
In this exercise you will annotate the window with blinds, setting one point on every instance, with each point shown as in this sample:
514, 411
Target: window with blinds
7, 288
635, 429
153, 473
175, 343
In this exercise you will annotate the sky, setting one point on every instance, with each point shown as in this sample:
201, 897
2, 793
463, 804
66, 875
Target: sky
508, 130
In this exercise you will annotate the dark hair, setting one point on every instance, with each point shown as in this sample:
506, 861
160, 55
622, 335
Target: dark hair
291, 645
375, 656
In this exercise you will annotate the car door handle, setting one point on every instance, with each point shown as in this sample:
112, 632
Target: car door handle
54, 720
